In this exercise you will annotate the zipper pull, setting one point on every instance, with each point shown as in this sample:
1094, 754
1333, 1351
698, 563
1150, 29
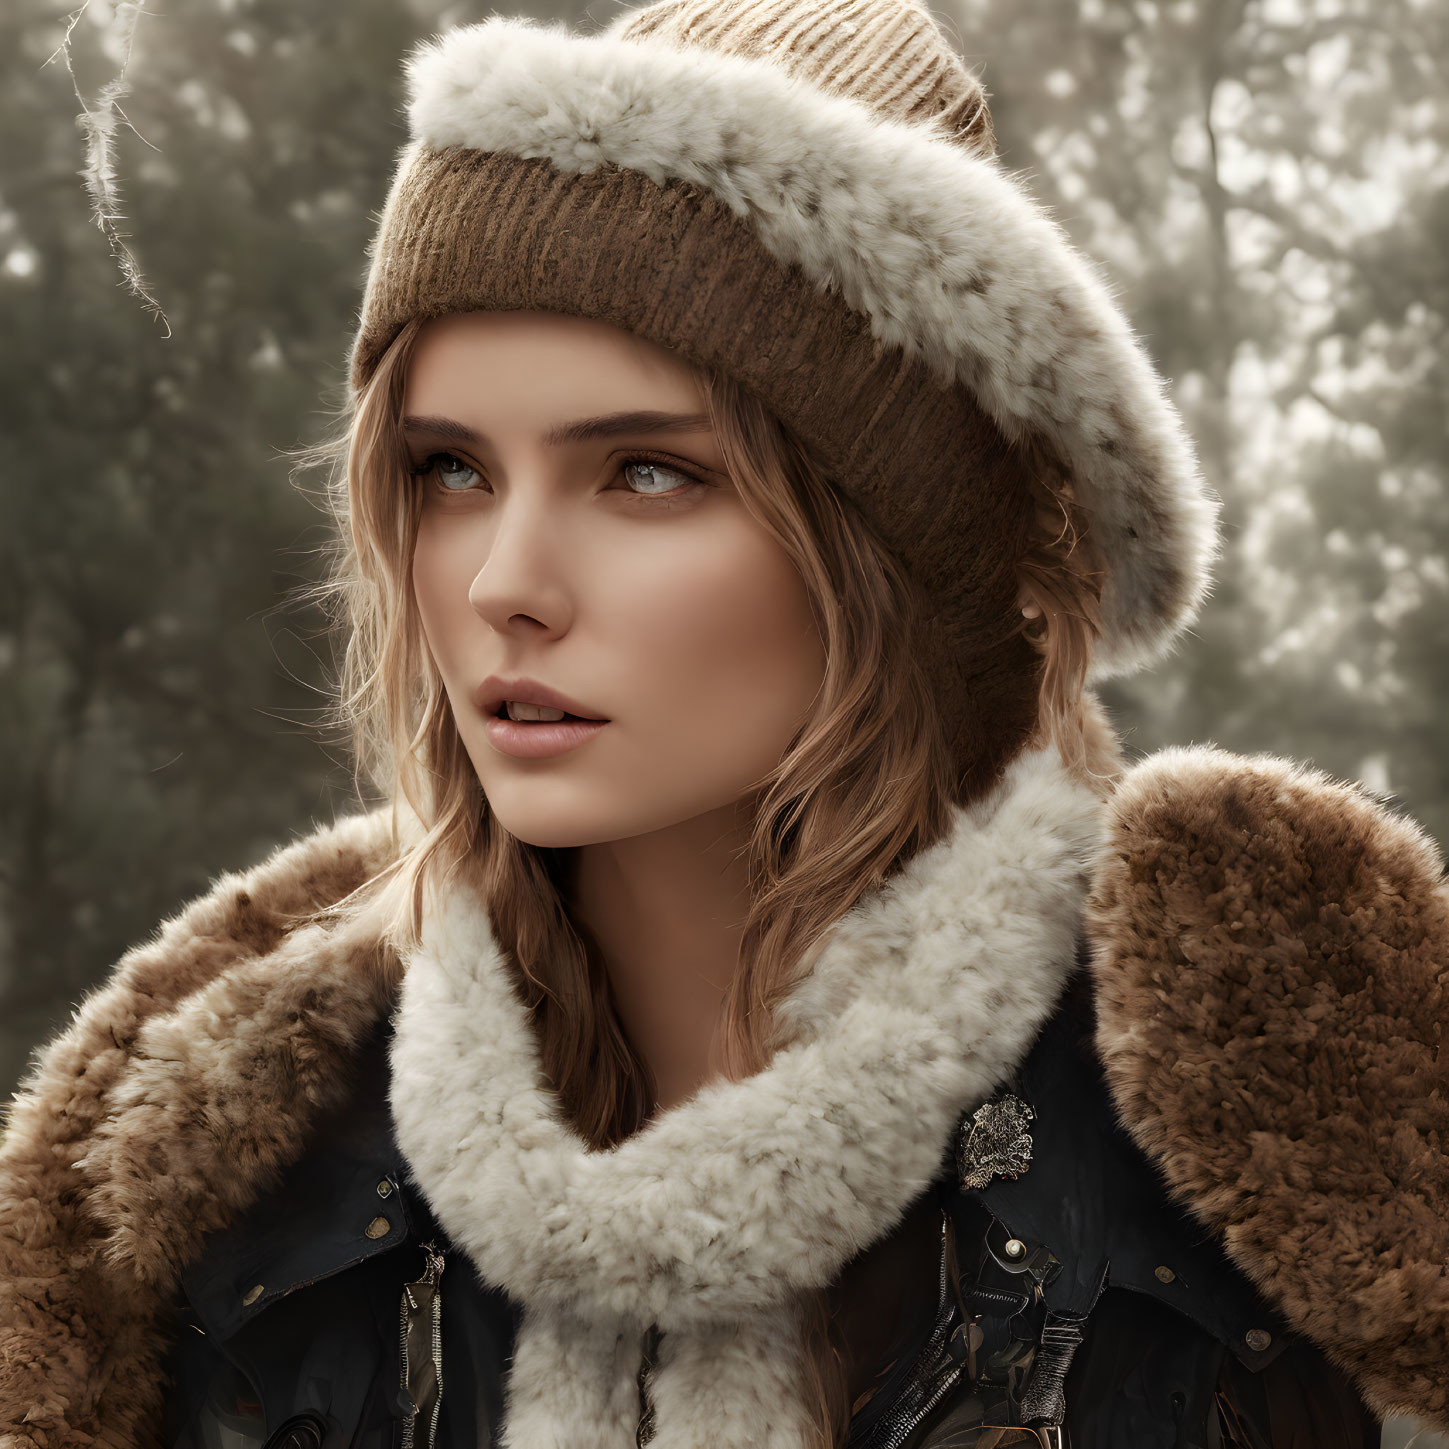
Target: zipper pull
647, 1363
420, 1371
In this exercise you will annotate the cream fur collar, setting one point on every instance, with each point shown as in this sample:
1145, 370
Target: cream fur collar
716, 1217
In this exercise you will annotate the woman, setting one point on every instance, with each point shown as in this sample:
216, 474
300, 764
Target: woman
821, 1038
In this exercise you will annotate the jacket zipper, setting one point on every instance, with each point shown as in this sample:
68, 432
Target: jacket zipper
420, 1378
931, 1376
648, 1363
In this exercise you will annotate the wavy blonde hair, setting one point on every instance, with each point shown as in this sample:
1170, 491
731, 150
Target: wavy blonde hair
865, 783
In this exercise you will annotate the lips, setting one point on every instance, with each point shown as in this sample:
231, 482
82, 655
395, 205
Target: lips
539, 739
492, 695
503, 714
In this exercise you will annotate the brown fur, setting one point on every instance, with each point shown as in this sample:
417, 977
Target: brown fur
1271, 953
1234, 895
172, 1100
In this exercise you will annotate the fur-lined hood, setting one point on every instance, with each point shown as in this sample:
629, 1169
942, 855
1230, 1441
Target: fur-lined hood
1269, 951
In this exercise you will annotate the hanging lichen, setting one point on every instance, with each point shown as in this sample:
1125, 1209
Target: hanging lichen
99, 122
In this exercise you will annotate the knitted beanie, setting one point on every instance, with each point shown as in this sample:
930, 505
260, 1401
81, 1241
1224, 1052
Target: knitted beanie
805, 195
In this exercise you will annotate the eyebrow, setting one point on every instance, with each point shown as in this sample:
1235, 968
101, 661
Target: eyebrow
580, 431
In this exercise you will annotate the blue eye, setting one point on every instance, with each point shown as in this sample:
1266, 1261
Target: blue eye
648, 465
437, 466
450, 474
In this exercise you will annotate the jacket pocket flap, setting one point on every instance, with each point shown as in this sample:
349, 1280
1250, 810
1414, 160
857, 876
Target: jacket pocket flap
329, 1214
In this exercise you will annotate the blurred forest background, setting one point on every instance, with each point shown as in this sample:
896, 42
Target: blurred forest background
1265, 183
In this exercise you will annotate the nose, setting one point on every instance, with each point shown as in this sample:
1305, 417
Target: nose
522, 582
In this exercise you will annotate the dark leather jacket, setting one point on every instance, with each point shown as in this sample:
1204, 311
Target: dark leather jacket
1075, 1293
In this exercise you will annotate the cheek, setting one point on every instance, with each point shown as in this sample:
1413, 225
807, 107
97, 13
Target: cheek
725, 630
441, 577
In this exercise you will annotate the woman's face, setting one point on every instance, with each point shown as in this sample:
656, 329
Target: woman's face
615, 563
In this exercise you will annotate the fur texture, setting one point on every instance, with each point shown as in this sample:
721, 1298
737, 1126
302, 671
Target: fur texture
1273, 969
170, 1103
714, 1218
947, 255
1270, 951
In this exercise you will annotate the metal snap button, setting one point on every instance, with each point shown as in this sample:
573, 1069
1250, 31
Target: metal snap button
252, 1294
1014, 1248
378, 1228
1164, 1274
1258, 1339
384, 1188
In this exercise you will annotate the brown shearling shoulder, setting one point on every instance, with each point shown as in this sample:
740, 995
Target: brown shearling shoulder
1271, 953
179, 1090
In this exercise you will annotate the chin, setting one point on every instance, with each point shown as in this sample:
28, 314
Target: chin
558, 815
553, 835
535, 822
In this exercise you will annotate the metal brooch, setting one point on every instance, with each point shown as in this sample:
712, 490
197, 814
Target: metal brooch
995, 1143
